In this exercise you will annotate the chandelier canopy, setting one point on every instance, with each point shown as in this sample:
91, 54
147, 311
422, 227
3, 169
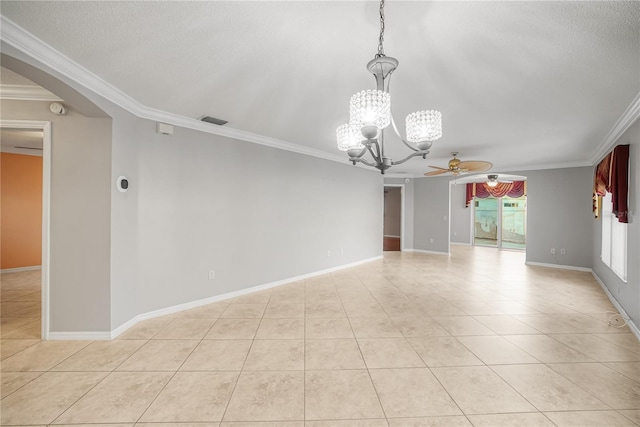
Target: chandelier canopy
370, 114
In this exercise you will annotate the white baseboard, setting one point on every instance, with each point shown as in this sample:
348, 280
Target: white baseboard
616, 304
422, 251
210, 300
79, 336
20, 269
560, 266
460, 243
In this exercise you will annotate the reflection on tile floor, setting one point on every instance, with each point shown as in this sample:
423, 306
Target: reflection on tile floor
475, 339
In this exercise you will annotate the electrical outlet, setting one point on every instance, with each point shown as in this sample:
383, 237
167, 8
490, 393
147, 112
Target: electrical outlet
212, 274
455, 234
328, 253
563, 251
431, 240
341, 251
553, 251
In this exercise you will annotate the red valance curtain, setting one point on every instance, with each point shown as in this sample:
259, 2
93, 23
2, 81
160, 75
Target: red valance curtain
611, 175
482, 190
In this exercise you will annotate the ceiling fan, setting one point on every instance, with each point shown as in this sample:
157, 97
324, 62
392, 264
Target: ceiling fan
457, 167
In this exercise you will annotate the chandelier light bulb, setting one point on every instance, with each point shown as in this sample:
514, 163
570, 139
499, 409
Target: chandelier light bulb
349, 138
370, 107
424, 126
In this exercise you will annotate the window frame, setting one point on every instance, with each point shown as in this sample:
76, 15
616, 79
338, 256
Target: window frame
613, 252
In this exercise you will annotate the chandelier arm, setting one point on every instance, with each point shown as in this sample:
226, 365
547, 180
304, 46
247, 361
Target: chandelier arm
393, 121
412, 155
376, 158
404, 141
380, 149
368, 163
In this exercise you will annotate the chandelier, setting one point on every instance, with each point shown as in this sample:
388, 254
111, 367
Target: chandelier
370, 114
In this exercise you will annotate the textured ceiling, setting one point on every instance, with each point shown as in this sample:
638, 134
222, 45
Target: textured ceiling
520, 84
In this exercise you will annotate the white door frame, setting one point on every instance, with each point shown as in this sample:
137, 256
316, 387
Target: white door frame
402, 239
45, 127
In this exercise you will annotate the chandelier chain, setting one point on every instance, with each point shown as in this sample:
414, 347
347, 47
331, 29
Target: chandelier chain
381, 38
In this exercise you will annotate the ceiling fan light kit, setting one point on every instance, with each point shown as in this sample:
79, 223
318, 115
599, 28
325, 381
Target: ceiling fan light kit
370, 113
492, 180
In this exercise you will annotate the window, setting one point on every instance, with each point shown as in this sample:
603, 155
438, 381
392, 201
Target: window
614, 240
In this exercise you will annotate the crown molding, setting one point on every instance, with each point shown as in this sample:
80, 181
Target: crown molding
542, 166
26, 93
629, 116
21, 39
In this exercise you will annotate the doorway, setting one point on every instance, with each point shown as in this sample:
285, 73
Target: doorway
22, 290
392, 232
500, 222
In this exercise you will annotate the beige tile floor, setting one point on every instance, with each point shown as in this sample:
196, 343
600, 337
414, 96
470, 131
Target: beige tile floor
475, 339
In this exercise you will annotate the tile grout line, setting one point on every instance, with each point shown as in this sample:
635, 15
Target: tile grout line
176, 371
362, 355
85, 393
438, 380
253, 340
23, 385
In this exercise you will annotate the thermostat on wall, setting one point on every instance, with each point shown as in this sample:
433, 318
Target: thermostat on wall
122, 183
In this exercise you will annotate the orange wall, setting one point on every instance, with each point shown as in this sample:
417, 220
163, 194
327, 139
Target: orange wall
21, 216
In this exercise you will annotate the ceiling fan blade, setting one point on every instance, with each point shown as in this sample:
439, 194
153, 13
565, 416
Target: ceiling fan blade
438, 167
475, 165
438, 172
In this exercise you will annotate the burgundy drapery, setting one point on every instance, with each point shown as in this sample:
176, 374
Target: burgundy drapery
482, 190
611, 175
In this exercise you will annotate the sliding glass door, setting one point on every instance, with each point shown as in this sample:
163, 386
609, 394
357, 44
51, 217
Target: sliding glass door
514, 222
485, 222
500, 223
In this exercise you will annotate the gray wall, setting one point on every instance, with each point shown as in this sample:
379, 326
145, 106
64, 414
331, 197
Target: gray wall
627, 294
197, 202
559, 216
253, 214
431, 214
460, 215
80, 215
392, 211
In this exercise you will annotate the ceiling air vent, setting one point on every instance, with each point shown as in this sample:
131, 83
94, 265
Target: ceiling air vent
27, 148
213, 120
